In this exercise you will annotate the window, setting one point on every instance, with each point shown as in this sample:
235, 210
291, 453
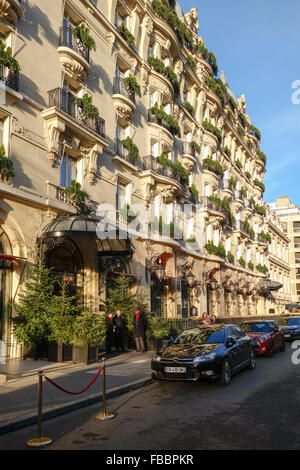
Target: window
1, 131
68, 171
121, 18
120, 195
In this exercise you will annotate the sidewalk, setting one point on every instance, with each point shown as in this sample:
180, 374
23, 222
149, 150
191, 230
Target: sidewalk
18, 397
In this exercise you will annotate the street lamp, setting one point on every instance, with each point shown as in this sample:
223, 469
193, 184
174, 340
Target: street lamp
190, 279
160, 272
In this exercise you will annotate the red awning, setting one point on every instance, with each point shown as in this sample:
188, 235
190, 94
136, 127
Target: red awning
11, 258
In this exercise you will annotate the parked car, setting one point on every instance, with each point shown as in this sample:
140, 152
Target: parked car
290, 327
267, 334
207, 352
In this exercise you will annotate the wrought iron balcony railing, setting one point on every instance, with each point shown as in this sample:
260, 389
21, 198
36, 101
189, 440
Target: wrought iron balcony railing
207, 203
124, 153
188, 149
120, 89
240, 225
160, 122
68, 39
9, 78
150, 162
72, 106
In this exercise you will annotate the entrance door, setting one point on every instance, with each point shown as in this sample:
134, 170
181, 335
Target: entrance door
156, 296
184, 299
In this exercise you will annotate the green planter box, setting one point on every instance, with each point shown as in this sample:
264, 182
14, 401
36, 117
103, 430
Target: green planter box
60, 352
84, 355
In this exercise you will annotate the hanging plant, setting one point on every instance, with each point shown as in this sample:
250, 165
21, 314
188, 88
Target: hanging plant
131, 147
83, 33
7, 59
126, 34
195, 146
194, 192
189, 107
191, 62
6, 165
86, 103
131, 83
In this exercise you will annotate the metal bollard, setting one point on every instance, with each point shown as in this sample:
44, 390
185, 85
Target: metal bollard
40, 441
104, 415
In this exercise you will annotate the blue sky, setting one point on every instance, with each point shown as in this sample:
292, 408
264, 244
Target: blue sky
257, 44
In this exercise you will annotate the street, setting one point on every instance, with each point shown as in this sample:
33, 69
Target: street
259, 410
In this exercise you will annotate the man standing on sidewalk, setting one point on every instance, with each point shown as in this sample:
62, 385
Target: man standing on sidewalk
139, 328
109, 325
119, 330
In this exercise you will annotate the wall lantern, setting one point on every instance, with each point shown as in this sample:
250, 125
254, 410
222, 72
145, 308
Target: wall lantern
160, 272
213, 283
190, 279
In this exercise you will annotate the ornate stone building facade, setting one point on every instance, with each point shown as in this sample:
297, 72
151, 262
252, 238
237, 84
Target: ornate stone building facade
137, 117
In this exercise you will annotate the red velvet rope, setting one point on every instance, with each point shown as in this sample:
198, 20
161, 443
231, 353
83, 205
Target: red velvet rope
75, 393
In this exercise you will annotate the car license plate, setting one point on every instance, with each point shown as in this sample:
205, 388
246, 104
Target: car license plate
287, 336
175, 370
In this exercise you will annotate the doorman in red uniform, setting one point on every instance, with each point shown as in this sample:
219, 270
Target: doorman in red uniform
139, 328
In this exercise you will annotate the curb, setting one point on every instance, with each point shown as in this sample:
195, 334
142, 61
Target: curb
73, 406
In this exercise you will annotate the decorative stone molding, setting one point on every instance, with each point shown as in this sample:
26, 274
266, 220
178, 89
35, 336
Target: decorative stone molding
241, 101
10, 11
161, 84
92, 165
167, 192
124, 106
192, 19
53, 128
74, 63
111, 38
178, 68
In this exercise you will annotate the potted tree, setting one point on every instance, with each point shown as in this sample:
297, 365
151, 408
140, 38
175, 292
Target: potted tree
32, 320
63, 310
88, 335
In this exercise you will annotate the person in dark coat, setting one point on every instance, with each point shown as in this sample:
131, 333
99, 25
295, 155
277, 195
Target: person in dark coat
109, 325
119, 330
139, 328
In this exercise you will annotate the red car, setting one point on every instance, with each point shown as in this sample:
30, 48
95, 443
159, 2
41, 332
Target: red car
266, 334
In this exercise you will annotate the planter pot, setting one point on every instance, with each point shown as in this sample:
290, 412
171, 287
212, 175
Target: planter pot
152, 344
59, 352
84, 354
36, 352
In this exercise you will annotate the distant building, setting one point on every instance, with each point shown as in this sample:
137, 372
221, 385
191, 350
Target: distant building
289, 215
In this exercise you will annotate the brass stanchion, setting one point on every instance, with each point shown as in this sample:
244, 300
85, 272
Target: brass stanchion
104, 415
40, 441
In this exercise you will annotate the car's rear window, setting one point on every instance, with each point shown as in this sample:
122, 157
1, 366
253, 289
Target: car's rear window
257, 327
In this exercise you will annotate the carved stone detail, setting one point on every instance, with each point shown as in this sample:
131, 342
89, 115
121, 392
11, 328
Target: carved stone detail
53, 129
10, 10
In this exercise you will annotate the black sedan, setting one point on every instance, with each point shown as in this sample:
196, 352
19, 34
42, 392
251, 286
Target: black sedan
206, 352
290, 328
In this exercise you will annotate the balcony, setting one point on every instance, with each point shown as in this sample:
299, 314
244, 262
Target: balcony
74, 56
187, 194
188, 155
226, 188
162, 180
123, 98
213, 208
10, 12
240, 225
65, 114
162, 123
69, 104
9, 78
123, 153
